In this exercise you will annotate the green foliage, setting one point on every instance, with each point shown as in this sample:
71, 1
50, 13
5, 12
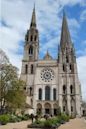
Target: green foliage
52, 122
39, 122
48, 123
4, 119
12, 94
24, 117
65, 117
13, 118
7, 118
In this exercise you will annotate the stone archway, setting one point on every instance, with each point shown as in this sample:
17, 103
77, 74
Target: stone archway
39, 108
47, 107
73, 107
65, 105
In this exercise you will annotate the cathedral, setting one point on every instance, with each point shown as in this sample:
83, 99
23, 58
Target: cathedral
51, 84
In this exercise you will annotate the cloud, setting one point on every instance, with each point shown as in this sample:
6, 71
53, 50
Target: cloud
83, 16
9, 42
71, 2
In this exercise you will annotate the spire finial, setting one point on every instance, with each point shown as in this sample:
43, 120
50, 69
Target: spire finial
34, 5
33, 20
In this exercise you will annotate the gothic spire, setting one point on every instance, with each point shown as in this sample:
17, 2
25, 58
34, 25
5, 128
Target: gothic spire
65, 34
33, 20
47, 56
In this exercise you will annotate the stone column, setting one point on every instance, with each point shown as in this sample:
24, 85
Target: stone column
68, 105
60, 103
68, 95
43, 109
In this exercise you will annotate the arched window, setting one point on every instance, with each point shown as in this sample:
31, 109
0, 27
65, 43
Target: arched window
47, 93
67, 60
64, 68
71, 89
35, 38
26, 69
31, 38
70, 67
30, 91
54, 94
30, 50
40, 94
71, 108
63, 108
64, 89
32, 69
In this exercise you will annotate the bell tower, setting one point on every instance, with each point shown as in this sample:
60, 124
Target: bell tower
69, 85
31, 48
30, 58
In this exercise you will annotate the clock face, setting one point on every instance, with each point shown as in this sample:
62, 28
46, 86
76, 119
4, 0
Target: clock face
47, 74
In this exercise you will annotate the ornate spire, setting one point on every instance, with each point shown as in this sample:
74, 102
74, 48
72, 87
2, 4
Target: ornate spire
65, 34
33, 20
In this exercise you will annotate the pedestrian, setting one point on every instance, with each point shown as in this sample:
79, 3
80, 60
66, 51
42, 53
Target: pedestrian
32, 117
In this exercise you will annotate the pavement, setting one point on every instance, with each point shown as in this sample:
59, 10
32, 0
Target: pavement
77, 123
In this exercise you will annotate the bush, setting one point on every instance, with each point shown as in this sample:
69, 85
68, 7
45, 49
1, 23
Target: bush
24, 117
65, 117
48, 123
13, 118
40, 122
4, 119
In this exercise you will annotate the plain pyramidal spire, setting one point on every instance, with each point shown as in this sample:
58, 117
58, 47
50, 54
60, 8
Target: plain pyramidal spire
33, 20
65, 34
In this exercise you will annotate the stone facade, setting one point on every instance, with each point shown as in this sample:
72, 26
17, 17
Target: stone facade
51, 84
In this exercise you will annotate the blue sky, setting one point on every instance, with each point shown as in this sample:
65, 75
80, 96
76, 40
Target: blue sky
15, 17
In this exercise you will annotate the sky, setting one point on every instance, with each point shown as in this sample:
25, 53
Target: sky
15, 17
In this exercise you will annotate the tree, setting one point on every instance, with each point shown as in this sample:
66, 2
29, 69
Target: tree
3, 58
15, 97
12, 95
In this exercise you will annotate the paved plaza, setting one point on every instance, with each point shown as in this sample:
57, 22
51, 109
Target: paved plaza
74, 124
78, 123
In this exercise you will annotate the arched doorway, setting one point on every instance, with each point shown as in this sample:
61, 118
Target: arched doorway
55, 106
39, 108
64, 105
47, 107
